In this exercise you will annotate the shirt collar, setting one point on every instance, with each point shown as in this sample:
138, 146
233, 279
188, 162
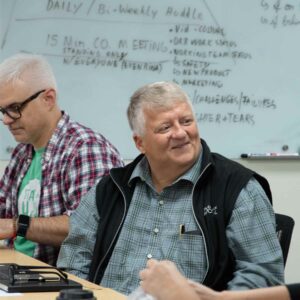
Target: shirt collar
142, 171
55, 138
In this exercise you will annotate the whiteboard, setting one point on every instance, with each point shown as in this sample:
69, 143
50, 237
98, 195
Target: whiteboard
238, 60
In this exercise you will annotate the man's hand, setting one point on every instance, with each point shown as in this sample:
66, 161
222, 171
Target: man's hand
163, 281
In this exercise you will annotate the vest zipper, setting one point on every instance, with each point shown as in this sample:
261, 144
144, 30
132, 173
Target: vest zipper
204, 238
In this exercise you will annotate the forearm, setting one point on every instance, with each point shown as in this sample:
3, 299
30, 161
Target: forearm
274, 293
83, 229
48, 230
7, 228
249, 275
82, 237
252, 238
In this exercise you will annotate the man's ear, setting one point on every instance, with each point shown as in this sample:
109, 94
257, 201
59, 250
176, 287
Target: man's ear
138, 140
50, 98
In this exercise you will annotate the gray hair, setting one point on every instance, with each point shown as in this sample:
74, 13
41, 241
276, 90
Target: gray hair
161, 94
34, 67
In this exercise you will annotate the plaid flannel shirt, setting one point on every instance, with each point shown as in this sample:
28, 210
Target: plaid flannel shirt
75, 158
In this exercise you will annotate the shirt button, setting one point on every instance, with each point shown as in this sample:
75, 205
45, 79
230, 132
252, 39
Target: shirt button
161, 202
149, 256
156, 230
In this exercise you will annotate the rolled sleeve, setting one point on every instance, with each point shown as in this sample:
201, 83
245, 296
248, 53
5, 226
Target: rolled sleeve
77, 249
252, 238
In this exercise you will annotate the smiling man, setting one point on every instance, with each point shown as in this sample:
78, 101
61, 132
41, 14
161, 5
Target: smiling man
177, 201
55, 163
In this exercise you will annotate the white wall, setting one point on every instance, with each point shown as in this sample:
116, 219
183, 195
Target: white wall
284, 178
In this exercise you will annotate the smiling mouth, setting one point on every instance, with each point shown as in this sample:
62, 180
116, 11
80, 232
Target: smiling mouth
180, 146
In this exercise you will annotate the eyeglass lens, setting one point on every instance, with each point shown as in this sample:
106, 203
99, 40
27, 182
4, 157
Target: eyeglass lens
14, 110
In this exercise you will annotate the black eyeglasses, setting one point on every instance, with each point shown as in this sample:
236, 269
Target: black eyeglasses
14, 111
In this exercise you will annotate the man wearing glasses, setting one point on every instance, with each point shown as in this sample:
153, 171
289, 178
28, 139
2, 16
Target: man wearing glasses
55, 163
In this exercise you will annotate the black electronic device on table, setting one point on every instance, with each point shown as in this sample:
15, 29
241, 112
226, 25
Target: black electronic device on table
22, 278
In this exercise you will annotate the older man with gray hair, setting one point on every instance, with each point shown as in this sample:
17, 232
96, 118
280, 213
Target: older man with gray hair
176, 201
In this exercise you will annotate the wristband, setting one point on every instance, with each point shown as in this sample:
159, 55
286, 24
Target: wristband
23, 225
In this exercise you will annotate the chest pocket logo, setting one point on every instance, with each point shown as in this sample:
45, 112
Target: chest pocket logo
210, 210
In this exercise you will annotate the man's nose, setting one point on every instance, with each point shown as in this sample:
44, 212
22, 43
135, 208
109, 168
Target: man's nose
178, 131
6, 119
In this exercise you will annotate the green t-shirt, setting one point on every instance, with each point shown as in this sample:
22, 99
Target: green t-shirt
29, 199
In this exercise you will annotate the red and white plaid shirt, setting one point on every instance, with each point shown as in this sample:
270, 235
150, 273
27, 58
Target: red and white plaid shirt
75, 159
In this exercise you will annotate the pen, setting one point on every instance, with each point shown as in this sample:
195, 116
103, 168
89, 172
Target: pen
181, 230
268, 154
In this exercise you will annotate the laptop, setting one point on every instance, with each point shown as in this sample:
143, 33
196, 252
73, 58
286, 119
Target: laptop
17, 278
